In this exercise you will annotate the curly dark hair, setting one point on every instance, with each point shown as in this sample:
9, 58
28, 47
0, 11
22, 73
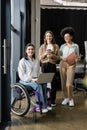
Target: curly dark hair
69, 30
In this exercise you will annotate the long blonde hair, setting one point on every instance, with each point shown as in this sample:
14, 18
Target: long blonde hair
53, 39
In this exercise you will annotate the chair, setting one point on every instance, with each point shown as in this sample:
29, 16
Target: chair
79, 75
23, 99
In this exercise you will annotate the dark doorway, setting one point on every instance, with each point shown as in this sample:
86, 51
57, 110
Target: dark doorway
5, 61
56, 19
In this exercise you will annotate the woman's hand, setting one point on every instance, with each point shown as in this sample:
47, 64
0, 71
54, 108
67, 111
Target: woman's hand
49, 53
77, 59
64, 59
34, 79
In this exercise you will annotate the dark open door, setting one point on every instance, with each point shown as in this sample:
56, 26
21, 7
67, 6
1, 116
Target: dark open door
5, 61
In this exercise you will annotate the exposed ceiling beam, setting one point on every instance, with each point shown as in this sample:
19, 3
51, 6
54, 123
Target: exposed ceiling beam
67, 3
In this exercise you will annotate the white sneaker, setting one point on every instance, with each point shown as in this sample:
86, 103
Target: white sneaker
44, 110
38, 110
53, 105
49, 85
65, 101
71, 103
49, 108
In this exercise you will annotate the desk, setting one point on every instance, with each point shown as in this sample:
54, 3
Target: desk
79, 67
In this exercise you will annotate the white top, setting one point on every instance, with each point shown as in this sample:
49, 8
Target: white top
50, 47
28, 69
65, 50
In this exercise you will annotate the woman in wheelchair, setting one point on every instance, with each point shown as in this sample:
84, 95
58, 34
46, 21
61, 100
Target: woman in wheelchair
28, 71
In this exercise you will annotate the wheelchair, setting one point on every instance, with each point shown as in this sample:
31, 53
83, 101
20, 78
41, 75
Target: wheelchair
23, 100
79, 76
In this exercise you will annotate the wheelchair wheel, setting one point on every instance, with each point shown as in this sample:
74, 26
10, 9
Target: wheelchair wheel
34, 116
20, 99
32, 102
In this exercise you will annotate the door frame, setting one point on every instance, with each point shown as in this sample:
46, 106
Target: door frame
5, 94
0, 58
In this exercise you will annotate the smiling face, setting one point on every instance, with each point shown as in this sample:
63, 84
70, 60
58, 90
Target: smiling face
68, 38
48, 37
30, 51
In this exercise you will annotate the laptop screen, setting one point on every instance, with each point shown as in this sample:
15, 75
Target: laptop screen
45, 77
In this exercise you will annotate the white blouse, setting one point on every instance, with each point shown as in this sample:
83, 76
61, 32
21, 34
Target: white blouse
65, 50
28, 69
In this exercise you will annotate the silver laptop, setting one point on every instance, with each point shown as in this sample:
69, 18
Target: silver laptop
45, 77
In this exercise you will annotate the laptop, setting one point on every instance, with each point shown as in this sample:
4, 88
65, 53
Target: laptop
45, 78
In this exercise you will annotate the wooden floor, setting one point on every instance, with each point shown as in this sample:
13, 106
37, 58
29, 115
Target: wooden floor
60, 118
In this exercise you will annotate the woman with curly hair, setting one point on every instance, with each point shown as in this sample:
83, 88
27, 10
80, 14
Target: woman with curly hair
67, 71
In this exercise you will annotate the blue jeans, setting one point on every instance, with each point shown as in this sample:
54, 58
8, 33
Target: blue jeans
40, 88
